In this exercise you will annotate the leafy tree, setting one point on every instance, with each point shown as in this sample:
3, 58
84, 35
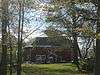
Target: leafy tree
74, 20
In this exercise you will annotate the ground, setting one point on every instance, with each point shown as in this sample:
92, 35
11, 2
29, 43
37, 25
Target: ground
51, 69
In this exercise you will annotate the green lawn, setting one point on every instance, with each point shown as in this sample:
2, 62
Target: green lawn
50, 69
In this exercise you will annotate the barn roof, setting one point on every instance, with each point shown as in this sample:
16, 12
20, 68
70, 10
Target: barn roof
53, 42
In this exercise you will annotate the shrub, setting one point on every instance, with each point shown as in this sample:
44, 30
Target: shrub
87, 64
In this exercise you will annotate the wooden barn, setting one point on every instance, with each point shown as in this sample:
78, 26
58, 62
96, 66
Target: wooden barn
49, 50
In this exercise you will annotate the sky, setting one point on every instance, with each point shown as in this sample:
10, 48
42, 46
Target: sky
37, 20
34, 21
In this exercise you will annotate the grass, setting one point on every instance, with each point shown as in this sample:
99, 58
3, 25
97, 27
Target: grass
50, 69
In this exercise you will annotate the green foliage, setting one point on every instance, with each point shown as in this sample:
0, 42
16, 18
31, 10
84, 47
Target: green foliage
87, 64
98, 36
86, 31
81, 27
51, 18
51, 32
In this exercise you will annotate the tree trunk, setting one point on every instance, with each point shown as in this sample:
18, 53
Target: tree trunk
20, 40
97, 67
75, 49
4, 20
19, 44
11, 49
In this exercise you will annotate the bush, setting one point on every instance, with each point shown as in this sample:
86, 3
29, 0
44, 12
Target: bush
87, 64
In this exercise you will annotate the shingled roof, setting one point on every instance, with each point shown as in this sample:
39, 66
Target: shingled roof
53, 42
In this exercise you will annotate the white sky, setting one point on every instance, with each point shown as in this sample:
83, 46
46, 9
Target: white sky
37, 21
